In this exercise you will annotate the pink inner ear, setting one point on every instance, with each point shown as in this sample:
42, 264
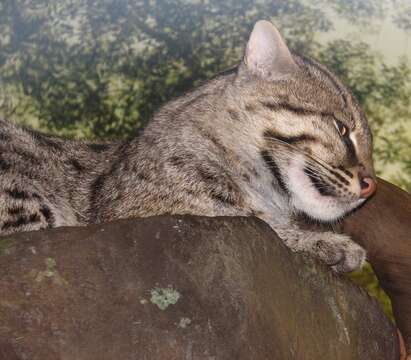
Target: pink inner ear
267, 55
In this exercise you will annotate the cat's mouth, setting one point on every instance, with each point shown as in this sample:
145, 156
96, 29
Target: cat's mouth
318, 196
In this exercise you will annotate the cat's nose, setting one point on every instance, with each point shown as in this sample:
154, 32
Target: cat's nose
368, 187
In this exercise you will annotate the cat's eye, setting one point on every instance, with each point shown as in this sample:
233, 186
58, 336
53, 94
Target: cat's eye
342, 129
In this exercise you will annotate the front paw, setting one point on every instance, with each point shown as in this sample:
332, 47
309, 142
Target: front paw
339, 251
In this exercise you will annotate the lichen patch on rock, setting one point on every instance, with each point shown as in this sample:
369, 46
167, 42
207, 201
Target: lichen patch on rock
164, 297
50, 272
184, 322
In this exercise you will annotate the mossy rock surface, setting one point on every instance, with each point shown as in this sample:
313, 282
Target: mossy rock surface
180, 288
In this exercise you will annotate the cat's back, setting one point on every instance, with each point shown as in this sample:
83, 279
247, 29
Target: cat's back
44, 180
36, 156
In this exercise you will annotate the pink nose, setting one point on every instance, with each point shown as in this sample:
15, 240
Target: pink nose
368, 187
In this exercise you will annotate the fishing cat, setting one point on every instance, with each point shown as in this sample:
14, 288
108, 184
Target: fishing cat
277, 136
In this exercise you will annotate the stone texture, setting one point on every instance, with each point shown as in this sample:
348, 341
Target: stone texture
383, 227
179, 288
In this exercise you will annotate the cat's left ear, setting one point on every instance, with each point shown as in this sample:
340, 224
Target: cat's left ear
267, 55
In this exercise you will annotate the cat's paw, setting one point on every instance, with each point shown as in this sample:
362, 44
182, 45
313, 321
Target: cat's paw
339, 251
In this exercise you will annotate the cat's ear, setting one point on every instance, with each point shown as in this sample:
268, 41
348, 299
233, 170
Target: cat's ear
267, 55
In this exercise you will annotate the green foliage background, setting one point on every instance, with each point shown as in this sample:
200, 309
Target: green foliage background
100, 68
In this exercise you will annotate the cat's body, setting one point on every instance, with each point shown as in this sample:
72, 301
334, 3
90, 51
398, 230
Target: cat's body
268, 139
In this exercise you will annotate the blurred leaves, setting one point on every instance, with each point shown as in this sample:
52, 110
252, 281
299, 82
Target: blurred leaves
356, 11
101, 68
402, 15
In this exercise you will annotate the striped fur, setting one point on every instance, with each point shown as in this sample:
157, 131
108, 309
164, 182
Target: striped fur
259, 140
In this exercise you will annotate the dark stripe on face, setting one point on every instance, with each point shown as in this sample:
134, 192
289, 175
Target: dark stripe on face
288, 139
339, 177
299, 111
322, 187
333, 182
273, 167
346, 172
351, 154
288, 107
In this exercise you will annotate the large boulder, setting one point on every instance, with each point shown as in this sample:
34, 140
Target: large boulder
383, 227
179, 288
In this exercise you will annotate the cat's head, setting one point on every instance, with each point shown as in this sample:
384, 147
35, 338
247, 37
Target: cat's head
315, 138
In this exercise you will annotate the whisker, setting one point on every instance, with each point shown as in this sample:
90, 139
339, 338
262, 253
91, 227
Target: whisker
293, 147
314, 170
331, 171
317, 171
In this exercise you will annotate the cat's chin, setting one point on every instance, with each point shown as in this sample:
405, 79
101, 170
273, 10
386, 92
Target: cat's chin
328, 209
305, 198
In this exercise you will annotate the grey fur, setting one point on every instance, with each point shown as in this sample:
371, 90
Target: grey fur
224, 149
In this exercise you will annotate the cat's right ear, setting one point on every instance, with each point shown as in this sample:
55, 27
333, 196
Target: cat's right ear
267, 56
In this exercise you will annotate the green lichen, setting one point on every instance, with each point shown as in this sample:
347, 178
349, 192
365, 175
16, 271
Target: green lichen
50, 263
184, 322
164, 297
50, 272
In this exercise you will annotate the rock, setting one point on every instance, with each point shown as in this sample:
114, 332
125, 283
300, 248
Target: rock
179, 288
383, 227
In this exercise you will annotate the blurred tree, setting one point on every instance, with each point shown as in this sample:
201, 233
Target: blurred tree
100, 68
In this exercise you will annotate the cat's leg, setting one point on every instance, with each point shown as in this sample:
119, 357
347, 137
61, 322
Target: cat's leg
336, 250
